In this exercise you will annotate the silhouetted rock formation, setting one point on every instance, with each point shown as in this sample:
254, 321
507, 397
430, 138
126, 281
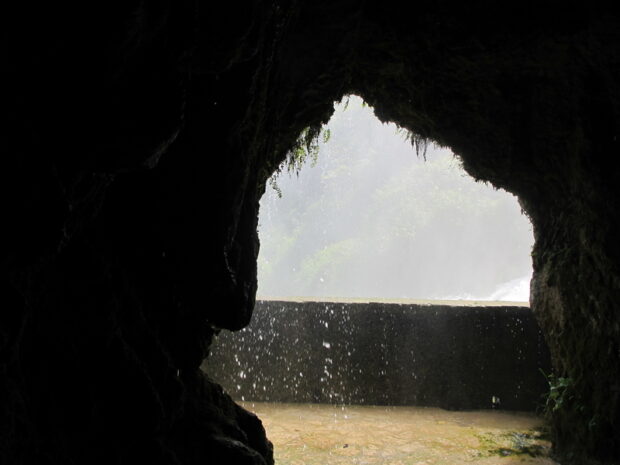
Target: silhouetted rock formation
138, 143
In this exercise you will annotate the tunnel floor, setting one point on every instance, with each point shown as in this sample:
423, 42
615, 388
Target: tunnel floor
367, 435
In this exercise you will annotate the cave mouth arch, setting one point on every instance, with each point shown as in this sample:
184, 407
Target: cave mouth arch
512, 127
361, 213
273, 356
140, 140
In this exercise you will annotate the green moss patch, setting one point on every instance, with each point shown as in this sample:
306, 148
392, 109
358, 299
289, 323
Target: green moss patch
530, 443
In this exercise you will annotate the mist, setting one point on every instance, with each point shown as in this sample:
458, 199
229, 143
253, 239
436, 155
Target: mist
369, 218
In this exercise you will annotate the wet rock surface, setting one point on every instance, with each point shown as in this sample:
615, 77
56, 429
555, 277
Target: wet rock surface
455, 357
138, 141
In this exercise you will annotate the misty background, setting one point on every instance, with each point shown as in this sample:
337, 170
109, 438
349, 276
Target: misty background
368, 218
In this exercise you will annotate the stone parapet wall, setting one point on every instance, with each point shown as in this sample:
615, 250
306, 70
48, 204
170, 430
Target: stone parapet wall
385, 353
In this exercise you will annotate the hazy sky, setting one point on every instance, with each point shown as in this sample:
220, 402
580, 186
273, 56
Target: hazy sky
372, 219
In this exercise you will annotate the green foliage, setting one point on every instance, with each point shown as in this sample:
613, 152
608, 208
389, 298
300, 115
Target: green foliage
515, 443
419, 143
306, 149
326, 260
273, 182
559, 392
327, 134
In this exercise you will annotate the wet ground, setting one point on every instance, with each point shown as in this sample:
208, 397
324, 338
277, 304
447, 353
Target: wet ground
313, 434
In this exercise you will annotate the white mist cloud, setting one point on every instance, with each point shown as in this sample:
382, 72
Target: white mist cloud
373, 220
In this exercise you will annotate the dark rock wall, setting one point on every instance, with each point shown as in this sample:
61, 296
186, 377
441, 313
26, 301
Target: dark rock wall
129, 231
138, 142
379, 353
538, 115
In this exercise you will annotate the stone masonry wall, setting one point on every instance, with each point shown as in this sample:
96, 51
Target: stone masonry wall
456, 357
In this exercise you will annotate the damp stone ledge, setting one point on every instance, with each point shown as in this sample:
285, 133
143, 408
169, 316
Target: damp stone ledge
451, 354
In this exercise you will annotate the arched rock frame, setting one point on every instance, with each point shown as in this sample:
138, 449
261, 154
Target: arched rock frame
140, 141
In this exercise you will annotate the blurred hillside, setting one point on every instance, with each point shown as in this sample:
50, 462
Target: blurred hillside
369, 218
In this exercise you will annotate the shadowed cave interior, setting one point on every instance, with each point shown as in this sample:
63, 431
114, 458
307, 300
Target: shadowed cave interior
140, 138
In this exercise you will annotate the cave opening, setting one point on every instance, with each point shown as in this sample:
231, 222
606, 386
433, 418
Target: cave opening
319, 366
364, 214
139, 139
